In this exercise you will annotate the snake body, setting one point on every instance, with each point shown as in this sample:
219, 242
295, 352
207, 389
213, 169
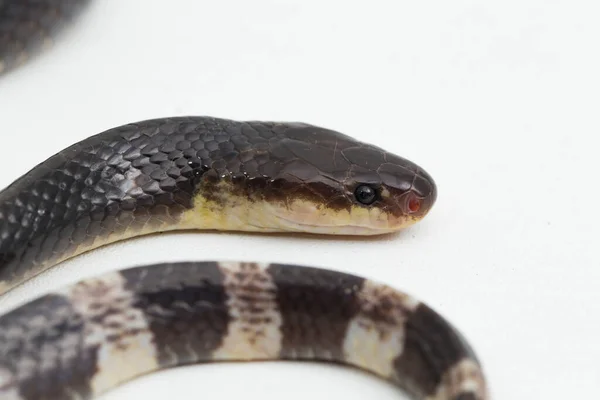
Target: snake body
29, 26
107, 330
208, 173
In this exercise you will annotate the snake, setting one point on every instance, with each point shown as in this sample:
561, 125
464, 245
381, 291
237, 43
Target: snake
207, 173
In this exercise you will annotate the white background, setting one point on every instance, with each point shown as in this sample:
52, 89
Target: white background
498, 100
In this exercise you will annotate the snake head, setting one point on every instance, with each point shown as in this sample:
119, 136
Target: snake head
393, 195
331, 183
302, 178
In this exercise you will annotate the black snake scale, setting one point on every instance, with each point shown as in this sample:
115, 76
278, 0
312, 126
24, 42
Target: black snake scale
190, 172
208, 173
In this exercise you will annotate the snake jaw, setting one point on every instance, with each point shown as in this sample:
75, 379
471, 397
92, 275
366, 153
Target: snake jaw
305, 216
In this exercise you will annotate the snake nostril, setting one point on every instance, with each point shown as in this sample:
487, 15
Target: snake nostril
414, 204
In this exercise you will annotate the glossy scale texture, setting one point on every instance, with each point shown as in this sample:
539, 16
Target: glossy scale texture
144, 177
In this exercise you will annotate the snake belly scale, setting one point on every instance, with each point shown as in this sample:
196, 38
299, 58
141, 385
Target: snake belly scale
185, 173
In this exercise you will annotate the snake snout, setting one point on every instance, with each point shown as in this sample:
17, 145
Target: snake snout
422, 195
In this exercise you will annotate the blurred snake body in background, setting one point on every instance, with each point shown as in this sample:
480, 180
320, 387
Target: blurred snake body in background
185, 173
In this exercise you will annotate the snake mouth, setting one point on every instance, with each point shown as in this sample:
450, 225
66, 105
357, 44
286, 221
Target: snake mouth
303, 216
357, 230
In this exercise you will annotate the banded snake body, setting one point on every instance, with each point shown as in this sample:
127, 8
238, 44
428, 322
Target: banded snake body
209, 173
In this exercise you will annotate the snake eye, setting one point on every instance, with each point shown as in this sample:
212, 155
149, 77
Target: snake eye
413, 203
365, 194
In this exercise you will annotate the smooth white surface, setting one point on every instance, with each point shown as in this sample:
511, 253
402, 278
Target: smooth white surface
498, 100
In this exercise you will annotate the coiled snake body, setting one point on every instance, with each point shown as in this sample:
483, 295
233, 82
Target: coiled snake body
209, 173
